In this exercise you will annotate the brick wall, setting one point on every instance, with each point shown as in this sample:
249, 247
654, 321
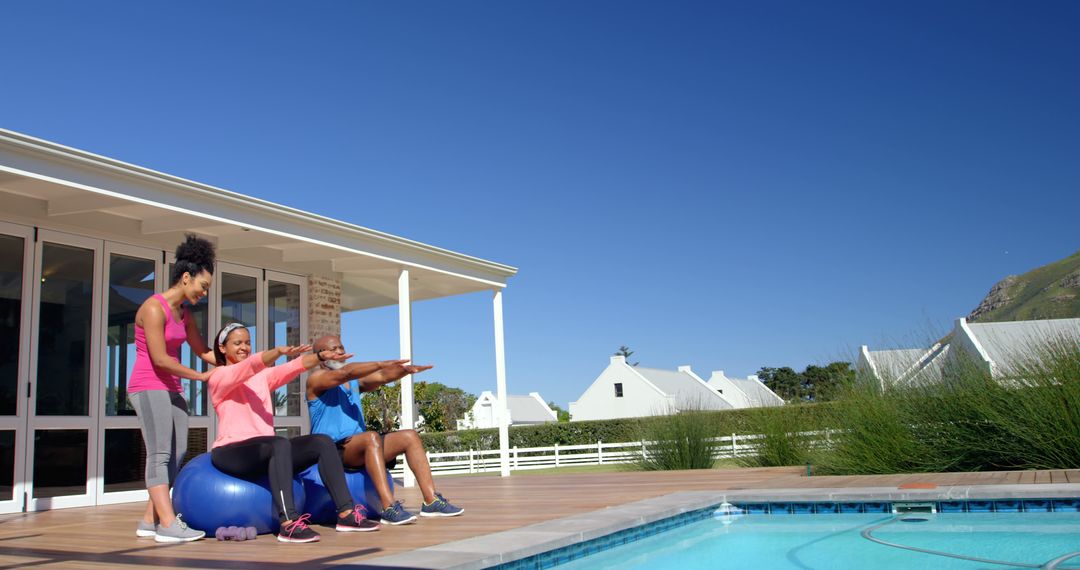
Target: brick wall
324, 306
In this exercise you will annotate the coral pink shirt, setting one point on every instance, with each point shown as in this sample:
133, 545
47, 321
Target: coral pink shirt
241, 394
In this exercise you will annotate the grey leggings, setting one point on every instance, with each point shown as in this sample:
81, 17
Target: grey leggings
163, 417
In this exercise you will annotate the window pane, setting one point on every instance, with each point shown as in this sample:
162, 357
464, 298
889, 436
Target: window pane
66, 313
284, 329
193, 390
125, 460
131, 281
59, 462
238, 302
7, 465
287, 432
11, 283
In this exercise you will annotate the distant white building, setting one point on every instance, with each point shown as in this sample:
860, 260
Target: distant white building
524, 410
996, 348
747, 392
624, 391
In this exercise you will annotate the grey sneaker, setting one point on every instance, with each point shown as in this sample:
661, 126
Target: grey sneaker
145, 529
178, 531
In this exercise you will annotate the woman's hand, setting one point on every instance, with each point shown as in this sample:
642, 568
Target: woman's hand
293, 351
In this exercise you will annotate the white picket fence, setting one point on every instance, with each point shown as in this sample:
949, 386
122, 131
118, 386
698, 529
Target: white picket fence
599, 453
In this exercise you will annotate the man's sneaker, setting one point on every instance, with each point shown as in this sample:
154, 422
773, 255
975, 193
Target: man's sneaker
178, 531
396, 514
298, 531
440, 508
356, 521
145, 529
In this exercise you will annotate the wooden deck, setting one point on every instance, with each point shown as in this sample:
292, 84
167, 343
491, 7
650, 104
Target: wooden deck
103, 537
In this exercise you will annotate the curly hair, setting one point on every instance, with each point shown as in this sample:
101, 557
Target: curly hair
194, 255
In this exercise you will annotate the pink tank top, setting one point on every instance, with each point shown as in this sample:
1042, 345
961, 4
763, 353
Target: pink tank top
146, 376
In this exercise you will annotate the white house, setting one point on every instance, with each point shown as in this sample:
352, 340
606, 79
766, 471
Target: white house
524, 410
624, 391
85, 239
996, 348
747, 392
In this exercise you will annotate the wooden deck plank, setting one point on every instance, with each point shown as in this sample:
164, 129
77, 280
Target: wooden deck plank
103, 537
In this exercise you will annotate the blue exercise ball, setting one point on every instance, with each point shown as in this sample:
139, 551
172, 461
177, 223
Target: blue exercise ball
321, 506
209, 499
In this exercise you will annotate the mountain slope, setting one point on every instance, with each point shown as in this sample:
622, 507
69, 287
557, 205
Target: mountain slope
1048, 292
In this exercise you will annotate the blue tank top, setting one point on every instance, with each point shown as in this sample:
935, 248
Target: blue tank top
337, 413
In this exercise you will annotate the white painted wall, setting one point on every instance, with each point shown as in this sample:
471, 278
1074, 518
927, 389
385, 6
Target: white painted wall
640, 398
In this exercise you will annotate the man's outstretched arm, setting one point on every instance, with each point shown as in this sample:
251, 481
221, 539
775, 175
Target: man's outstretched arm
322, 379
389, 371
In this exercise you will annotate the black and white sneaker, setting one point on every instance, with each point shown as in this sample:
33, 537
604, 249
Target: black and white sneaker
356, 521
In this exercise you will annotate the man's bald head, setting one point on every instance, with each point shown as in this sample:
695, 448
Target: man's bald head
327, 342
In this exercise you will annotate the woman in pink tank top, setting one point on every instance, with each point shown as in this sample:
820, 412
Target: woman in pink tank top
162, 325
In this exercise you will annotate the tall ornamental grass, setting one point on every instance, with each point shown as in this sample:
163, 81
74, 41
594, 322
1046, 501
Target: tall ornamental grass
784, 436
1026, 418
684, 440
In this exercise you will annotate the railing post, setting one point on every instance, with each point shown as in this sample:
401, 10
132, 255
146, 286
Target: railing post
515, 457
600, 452
472, 462
734, 449
643, 450
556, 455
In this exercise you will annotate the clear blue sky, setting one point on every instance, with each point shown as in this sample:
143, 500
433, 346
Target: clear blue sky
728, 185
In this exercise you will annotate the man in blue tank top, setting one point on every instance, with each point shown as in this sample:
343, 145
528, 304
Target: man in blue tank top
335, 411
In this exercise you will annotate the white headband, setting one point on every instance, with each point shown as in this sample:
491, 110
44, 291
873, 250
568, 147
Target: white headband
224, 334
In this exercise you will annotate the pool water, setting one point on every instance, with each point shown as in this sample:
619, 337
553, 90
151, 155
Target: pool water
835, 542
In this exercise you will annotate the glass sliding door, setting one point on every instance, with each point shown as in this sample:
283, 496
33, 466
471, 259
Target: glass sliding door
240, 300
286, 316
16, 267
65, 369
132, 275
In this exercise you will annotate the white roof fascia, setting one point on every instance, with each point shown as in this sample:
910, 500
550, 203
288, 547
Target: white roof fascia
193, 198
689, 372
962, 325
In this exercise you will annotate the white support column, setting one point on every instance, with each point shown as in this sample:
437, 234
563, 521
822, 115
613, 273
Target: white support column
405, 332
502, 412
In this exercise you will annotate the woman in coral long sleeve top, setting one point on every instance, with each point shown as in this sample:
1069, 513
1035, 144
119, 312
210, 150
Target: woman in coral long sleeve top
241, 390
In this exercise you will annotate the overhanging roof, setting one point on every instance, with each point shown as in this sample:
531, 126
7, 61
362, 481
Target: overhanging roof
56, 186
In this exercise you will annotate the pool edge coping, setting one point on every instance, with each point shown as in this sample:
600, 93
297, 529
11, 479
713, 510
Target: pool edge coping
510, 545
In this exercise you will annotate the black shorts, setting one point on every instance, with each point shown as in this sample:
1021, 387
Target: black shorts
341, 443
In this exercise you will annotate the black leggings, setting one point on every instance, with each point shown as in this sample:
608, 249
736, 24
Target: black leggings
252, 459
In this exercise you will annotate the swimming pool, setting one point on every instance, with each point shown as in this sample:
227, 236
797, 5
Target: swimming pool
855, 540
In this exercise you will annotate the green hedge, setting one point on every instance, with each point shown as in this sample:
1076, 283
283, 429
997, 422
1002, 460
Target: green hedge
582, 433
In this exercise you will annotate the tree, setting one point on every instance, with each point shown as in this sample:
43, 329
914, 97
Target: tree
625, 352
440, 405
814, 384
563, 415
784, 381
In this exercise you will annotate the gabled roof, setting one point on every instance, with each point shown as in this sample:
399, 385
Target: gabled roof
686, 390
528, 409
1015, 343
758, 393
890, 365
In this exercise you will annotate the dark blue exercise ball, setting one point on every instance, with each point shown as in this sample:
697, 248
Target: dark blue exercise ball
321, 506
209, 499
